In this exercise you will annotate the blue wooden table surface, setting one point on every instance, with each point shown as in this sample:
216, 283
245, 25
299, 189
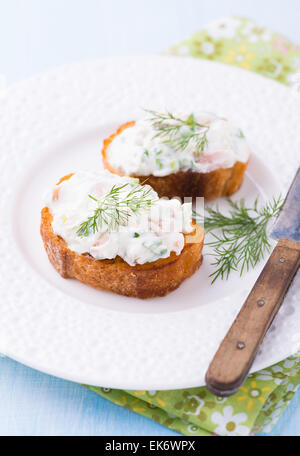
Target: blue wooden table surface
36, 35
35, 404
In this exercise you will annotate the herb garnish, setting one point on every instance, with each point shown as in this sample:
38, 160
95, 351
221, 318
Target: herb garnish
156, 248
159, 163
243, 240
114, 210
171, 130
240, 134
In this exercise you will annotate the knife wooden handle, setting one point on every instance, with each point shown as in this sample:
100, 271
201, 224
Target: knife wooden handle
232, 362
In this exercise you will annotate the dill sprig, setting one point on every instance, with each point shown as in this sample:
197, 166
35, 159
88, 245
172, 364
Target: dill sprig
114, 210
170, 129
242, 240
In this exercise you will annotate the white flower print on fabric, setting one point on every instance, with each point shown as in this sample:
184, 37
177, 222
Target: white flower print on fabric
230, 424
295, 62
290, 362
223, 28
207, 48
193, 428
106, 390
267, 405
196, 406
274, 374
291, 388
254, 33
271, 421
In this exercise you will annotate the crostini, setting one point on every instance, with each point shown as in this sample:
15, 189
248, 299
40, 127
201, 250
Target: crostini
114, 234
180, 156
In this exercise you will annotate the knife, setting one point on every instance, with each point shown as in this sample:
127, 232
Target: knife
234, 358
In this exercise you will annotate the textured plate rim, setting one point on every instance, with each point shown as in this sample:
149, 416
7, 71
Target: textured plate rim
25, 84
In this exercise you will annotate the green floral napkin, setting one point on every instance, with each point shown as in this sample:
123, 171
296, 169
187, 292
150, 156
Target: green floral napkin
261, 401
241, 42
255, 408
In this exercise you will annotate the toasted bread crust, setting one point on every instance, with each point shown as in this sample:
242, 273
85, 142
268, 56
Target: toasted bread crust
212, 185
141, 281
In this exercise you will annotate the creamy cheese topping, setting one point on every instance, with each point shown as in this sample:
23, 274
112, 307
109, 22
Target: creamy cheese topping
137, 234
139, 151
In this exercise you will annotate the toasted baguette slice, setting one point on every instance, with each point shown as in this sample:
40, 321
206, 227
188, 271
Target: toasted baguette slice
212, 185
141, 281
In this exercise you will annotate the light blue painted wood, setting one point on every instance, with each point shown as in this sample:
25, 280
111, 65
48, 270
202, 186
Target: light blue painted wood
35, 404
36, 35
32, 403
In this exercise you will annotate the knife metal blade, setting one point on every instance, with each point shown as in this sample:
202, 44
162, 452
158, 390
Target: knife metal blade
287, 225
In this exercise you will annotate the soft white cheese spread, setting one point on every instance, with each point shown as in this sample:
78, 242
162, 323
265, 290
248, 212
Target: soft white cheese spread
139, 151
143, 235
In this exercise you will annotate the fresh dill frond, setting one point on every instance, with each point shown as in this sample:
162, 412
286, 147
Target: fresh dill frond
114, 209
240, 239
171, 130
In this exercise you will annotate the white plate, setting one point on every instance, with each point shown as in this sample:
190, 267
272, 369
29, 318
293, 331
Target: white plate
53, 124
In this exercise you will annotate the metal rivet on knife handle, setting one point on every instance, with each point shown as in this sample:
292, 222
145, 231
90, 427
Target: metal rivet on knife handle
241, 345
